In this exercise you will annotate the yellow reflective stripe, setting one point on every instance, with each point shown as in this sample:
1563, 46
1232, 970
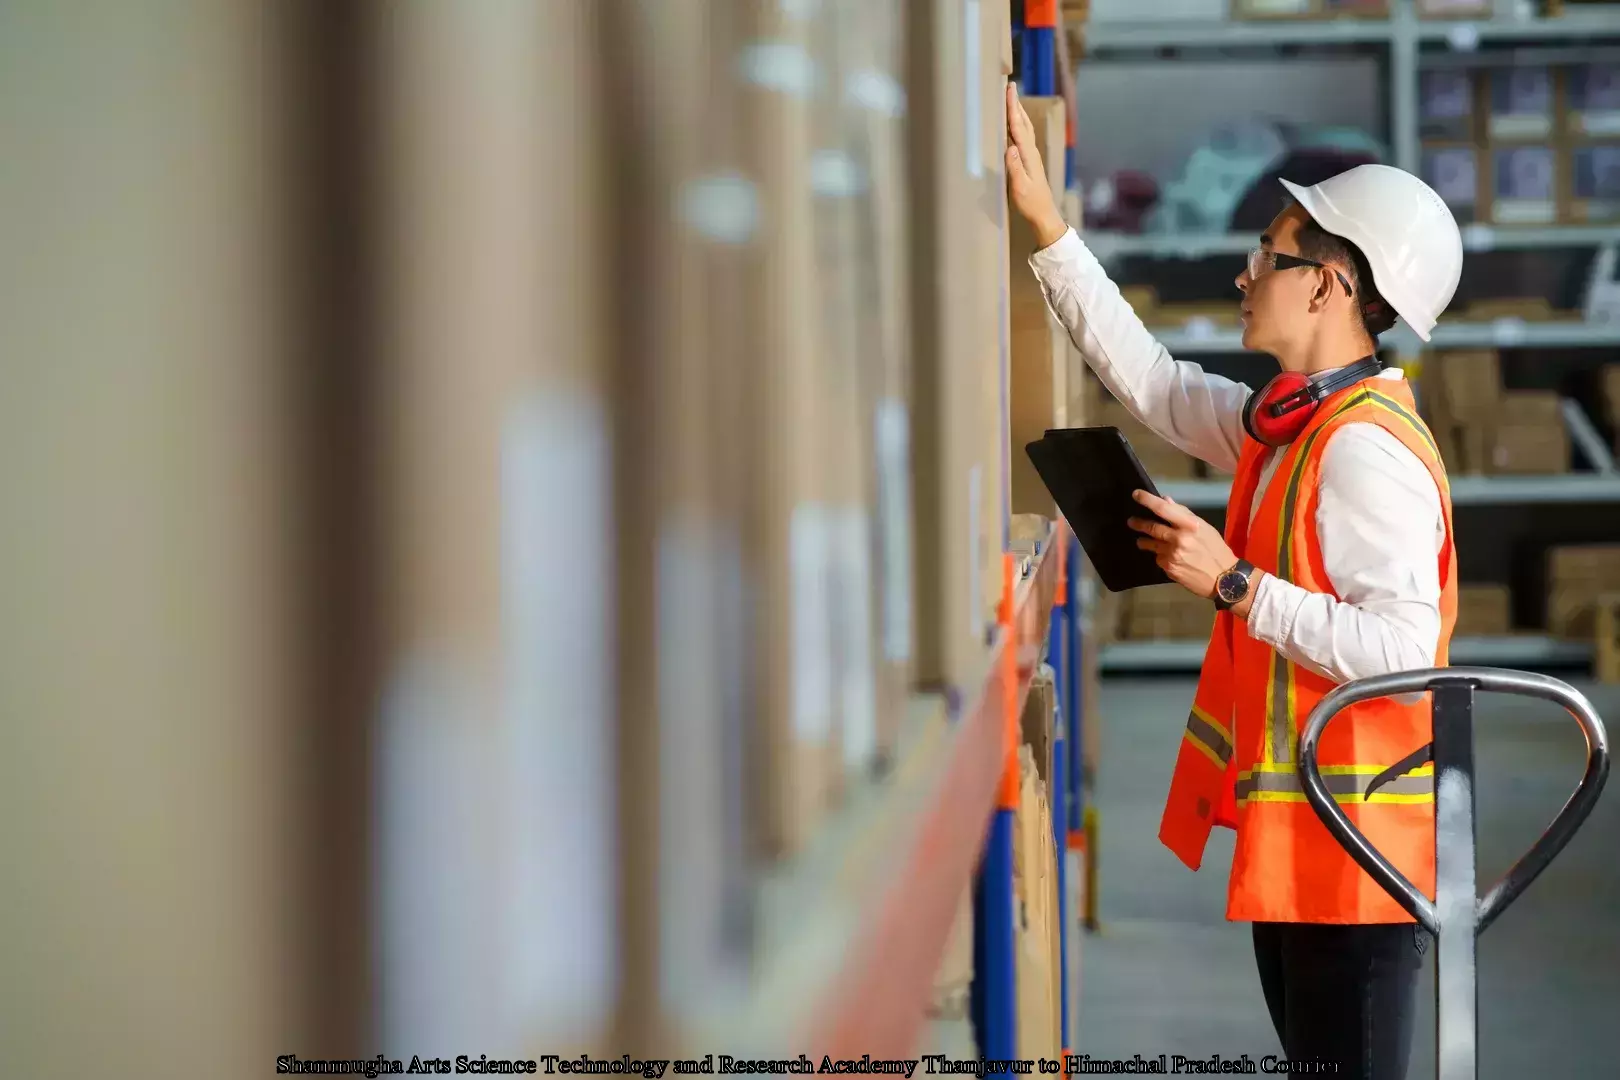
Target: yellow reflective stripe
1348, 797
1406, 415
1220, 728
1214, 758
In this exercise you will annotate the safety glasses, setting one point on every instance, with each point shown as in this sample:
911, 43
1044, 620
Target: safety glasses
1264, 260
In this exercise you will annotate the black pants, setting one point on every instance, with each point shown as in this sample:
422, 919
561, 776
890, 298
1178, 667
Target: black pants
1342, 993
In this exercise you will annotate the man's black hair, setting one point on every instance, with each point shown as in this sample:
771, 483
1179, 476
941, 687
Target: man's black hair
1317, 244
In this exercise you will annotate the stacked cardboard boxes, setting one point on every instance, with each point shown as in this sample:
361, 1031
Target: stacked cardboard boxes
1309, 9
1162, 460
1036, 919
1483, 611
1576, 576
959, 442
1484, 429
1523, 144
1167, 613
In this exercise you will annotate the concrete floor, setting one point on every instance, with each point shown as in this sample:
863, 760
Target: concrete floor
1167, 974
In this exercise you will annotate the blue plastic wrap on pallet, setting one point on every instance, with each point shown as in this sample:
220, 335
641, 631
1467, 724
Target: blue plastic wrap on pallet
1059, 783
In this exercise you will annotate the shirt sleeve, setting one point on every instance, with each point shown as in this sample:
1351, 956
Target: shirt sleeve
1380, 526
1199, 413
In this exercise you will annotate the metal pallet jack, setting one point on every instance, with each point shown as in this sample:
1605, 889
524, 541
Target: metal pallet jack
1457, 916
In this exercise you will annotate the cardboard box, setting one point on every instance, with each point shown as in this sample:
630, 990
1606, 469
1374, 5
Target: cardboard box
793, 530
1524, 185
945, 181
1456, 172
1576, 576
1523, 103
1167, 613
953, 981
1529, 451
1606, 638
1609, 389
1592, 100
1040, 345
1450, 105
1162, 460
1035, 900
1039, 722
1463, 386
1592, 183
1483, 611
876, 49
1529, 435
992, 300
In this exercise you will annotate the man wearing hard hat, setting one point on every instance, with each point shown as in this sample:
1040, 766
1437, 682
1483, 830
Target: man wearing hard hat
1337, 562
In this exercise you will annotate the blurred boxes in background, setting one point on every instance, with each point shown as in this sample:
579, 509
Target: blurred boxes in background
1482, 428
1523, 103
1592, 179
1162, 460
1456, 172
1166, 613
1483, 611
1449, 105
1592, 100
1576, 576
1524, 185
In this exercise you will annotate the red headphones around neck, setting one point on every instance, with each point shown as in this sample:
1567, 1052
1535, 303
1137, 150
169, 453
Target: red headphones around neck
1276, 413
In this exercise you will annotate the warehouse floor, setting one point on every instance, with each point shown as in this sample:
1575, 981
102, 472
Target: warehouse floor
1166, 974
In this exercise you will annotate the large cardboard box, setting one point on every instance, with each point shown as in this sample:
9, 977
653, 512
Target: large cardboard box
992, 299
951, 465
793, 529
1040, 346
1483, 610
1529, 435
1035, 904
1162, 460
874, 41
1576, 574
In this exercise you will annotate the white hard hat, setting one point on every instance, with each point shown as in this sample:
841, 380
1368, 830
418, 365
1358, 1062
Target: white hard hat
1405, 230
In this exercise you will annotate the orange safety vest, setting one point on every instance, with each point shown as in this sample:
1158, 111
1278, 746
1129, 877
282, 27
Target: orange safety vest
1237, 765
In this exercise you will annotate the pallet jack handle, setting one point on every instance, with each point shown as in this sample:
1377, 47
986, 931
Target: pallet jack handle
1456, 916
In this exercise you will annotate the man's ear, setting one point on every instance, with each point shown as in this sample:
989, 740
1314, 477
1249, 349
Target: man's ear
1324, 287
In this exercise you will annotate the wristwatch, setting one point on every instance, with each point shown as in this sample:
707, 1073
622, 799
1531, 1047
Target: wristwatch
1232, 586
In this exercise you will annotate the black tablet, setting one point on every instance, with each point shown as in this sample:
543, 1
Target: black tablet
1091, 473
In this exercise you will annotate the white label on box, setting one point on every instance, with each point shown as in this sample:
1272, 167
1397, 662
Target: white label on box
812, 622
1596, 123
876, 90
970, 83
780, 66
836, 175
723, 207
534, 786
858, 684
893, 444
975, 553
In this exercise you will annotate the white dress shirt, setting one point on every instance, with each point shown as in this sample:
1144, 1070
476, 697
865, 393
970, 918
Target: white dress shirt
1379, 518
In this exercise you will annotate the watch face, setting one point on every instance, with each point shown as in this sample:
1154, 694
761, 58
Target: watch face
1232, 585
